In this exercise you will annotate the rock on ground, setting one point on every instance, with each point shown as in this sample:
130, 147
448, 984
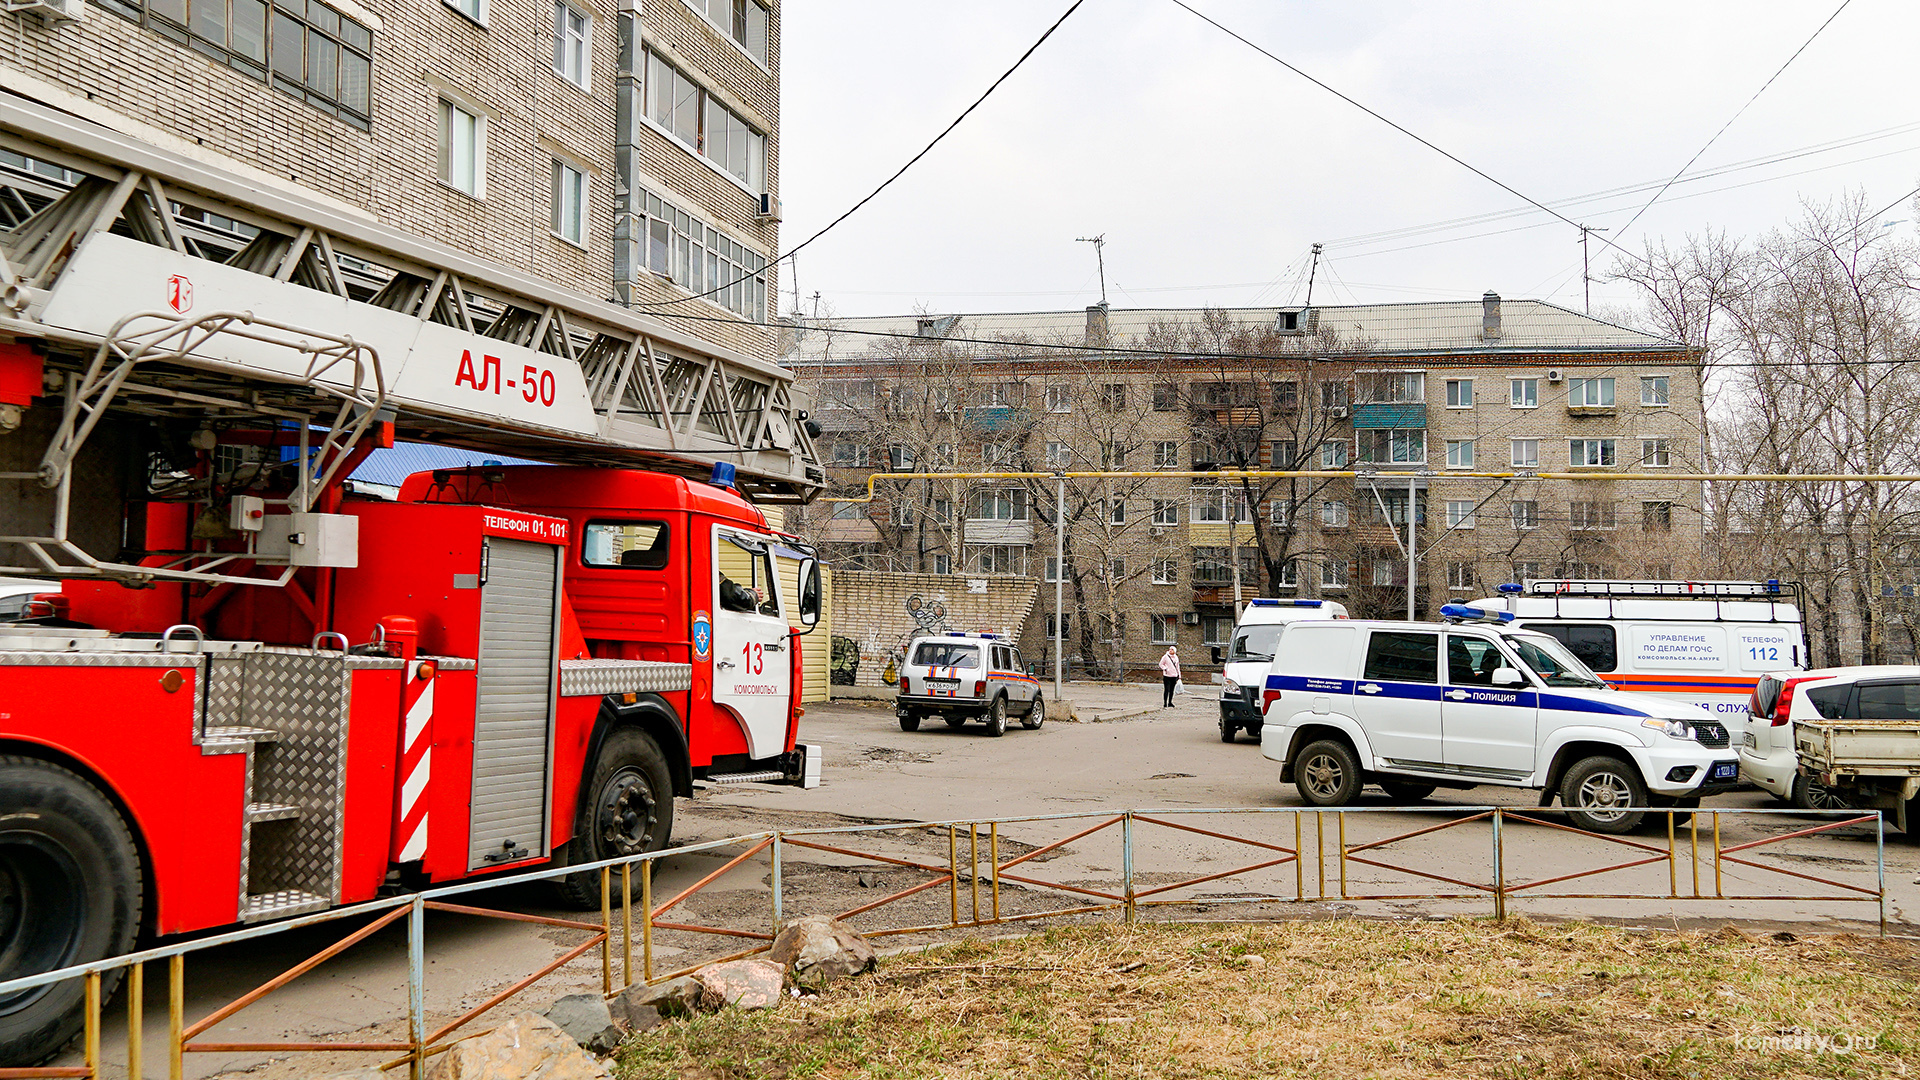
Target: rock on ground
820, 950
675, 997
587, 1020
527, 1047
745, 984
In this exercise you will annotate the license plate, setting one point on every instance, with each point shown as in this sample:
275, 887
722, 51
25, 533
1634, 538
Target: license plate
1750, 742
1726, 770
943, 684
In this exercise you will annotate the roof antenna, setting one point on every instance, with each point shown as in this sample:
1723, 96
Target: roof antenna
1310, 272
1099, 243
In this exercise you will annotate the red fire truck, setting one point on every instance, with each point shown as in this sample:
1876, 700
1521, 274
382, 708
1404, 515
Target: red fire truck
255, 693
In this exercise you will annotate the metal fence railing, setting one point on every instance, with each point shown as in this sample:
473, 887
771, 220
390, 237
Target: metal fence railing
1477, 858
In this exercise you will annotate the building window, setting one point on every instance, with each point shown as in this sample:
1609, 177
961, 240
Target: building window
1166, 455
1654, 452
1290, 574
1333, 574
1526, 571
1459, 393
1211, 566
1219, 506
1166, 511
569, 204
684, 109
1117, 572
1388, 572
1402, 387
1526, 453
1113, 397
1590, 452
847, 455
1052, 572
900, 458
572, 51
1059, 399
1166, 397
1059, 455
1656, 516
1459, 513
1216, 629
1576, 570
944, 456
1526, 513
1396, 446
699, 258
310, 52
1459, 453
943, 511
1282, 512
1004, 505
1282, 453
1653, 390
1524, 393
472, 9
1000, 559
1286, 396
1113, 455
1163, 629
1333, 514
463, 150
1165, 573
1333, 395
1590, 394
1459, 575
1590, 515
1391, 508
1333, 455
940, 563
745, 21
1117, 512
1660, 571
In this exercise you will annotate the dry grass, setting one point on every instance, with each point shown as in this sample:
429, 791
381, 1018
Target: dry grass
1332, 999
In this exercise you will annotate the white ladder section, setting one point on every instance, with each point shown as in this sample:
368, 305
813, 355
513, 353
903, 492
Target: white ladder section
115, 241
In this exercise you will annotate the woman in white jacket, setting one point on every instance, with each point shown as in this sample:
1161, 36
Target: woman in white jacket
1169, 674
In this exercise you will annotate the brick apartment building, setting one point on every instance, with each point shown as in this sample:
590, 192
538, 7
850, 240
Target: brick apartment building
1414, 395
613, 149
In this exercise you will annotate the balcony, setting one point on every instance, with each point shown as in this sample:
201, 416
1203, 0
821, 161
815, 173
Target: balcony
999, 531
1211, 595
1390, 414
994, 418
834, 421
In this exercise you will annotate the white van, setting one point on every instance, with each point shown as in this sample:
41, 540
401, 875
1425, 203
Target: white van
1702, 642
1246, 659
1415, 706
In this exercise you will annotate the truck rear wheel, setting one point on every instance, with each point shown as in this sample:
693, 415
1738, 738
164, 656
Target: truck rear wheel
1326, 773
628, 811
70, 892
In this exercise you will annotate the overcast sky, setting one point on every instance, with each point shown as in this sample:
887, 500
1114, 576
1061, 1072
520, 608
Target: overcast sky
1210, 169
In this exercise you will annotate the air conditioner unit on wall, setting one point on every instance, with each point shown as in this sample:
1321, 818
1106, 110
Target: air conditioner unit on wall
1190, 618
1556, 375
769, 209
52, 9
1338, 412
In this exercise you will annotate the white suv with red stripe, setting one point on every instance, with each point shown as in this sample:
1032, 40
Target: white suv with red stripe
961, 677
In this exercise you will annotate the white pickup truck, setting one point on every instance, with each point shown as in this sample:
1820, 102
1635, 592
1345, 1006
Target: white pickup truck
1839, 737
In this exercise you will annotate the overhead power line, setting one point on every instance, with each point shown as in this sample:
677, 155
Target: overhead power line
1423, 141
902, 171
1736, 114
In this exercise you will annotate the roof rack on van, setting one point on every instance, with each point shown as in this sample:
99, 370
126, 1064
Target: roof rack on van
978, 634
1270, 602
1772, 587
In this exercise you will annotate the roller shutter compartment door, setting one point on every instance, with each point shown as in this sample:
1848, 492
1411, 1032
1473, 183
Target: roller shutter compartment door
513, 721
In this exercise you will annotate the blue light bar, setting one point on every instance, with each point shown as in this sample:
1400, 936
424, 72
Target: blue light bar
1473, 614
1263, 602
1512, 587
723, 476
1773, 584
1267, 601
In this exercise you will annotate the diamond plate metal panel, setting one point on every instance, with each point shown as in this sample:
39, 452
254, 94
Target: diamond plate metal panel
595, 678
303, 697
97, 659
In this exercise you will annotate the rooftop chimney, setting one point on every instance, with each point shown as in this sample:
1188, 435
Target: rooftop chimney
1490, 316
1097, 324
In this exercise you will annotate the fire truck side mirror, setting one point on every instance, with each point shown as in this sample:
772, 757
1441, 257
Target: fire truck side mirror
809, 592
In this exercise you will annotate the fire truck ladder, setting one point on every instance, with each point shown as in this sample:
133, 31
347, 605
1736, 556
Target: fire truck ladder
476, 354
161, 337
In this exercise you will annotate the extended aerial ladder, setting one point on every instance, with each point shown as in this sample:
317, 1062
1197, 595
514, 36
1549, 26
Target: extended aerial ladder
254, 301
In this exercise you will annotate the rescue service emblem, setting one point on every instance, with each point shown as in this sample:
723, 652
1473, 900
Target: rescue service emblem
702, 635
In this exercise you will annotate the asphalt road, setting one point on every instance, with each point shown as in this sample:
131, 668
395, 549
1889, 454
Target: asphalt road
1067, 778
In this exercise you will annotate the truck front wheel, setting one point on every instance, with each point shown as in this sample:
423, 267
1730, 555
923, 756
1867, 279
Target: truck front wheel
628, 811
70, 892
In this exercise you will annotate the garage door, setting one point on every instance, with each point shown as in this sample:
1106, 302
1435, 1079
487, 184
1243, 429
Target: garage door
511, 736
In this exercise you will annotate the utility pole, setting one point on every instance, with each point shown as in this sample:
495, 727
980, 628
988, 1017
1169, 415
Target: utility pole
1586, 275
1099, 252
1059, 581
1311, 270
